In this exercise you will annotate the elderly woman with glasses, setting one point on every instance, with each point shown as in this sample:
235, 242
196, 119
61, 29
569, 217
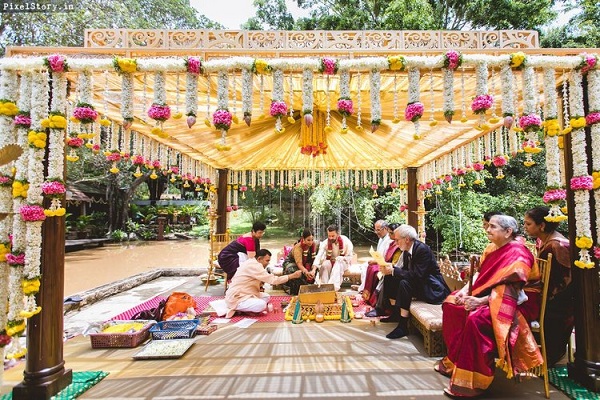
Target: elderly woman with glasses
483, 323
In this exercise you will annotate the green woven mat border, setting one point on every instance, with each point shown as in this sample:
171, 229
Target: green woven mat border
559, 377
82, 381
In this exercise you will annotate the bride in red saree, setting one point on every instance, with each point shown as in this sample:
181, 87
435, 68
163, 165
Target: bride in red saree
487, 325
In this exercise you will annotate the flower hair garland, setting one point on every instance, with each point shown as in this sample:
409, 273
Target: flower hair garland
414, 110
278, 107
193, 66
375, 78
344, 104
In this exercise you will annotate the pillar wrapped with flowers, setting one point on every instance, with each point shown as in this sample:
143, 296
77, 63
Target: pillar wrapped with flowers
581, 182
593, 121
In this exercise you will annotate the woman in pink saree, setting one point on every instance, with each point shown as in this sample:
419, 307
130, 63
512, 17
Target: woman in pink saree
485, 325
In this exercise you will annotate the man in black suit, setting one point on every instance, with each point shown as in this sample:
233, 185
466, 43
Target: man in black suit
415, 275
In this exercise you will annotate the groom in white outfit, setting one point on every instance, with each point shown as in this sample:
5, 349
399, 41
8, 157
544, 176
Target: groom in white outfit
334, 257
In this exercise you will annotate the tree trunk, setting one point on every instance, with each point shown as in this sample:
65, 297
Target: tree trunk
119, 201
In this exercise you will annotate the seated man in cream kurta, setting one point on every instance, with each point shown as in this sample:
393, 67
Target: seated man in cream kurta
334, 257
243, 293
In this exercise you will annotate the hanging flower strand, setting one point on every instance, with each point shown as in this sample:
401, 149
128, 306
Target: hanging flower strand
278, 107
593, 121
344, 104
291, 118
126, 67
375, 77
193, 66
452, 60
222, 118
415, 109
508, 96
307, 96
483, 101
555, 194
581, 183
530, 122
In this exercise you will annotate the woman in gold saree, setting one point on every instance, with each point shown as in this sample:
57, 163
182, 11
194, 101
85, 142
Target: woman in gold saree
486, 325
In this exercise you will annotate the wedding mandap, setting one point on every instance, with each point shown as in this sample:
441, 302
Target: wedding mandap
414, 111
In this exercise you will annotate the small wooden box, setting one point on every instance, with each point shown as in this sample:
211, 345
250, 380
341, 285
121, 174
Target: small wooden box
311, 294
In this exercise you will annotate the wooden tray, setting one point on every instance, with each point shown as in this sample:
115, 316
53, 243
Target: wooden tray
163, 349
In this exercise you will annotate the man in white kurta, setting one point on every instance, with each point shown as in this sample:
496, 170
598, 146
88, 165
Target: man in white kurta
381, 230
243, 293
334, 257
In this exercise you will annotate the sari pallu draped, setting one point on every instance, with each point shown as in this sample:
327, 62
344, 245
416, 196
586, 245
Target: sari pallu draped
498, 330
370, 292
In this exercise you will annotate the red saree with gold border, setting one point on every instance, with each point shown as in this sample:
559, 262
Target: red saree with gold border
497, 331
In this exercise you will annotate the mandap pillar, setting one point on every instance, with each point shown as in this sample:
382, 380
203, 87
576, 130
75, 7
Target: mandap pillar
45, 374
412, 198
222, 196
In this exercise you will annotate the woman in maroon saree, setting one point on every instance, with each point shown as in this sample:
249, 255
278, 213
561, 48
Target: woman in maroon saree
486, 325
392, 254
559, 319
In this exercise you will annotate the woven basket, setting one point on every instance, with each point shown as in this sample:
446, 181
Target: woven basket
180, 329
130, 339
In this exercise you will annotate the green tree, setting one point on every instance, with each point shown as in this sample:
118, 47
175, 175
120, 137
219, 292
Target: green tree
67, 28
582, 30
406, 14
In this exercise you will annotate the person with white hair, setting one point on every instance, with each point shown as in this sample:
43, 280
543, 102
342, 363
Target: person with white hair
415, 275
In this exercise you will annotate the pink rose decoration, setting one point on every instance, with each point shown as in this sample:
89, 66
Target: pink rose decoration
530, 123
15, 259
75, 142
452, 60
345, 106
32, 213
85, 114
22, 120
57, 63
53, 188
329, 66
193, 65
554, 195
478, 166
159, 112
138, 160
499, 161
278, 108
592, 118
113, 157
482, 103
414, 111
584, 182
222, 119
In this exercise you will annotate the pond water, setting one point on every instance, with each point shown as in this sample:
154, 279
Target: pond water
90, 268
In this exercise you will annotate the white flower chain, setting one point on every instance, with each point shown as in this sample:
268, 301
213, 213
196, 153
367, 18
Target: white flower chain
565, 92
191, 94
552, 150
375, 77
247, 91
85, 87
291, 97
493, 92
327, 102
307, 91
449, 90
528, 91
261, 104
463, 98
358, 100
234, 95
160, 93
222, 89
431, 96
508, 96
127, 96
594, 105
395, 112
177, 91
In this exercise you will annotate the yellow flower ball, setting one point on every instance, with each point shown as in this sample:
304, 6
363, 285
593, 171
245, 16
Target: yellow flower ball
464, 119
577, 122
517, 59
262, 116
137, 174
29, 314
359, 128
567, 130
416, 136
104, 122
72, 158
493, 120
153, 176
73, 119
344, 130
114, 170
529, 163
433, 123
207, 122
291, 120
327, 129
584, 242
156, 130
177, 115
235, 119
596, 179
395, 120
561, 142
59, 212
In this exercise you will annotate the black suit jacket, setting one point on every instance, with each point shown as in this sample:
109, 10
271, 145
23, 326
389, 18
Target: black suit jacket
422, 270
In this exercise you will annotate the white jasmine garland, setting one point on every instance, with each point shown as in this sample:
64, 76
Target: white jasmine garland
550, 112
508, 96
414, 76
222, 89
191, 94
594, 105
448, 92
307, 91
344, 83
395, 111
277, 85
375, 78
528, 91
9, 85
160, 93
247, 91
291, 95
85, 87
358, 102
127, 97
481, 76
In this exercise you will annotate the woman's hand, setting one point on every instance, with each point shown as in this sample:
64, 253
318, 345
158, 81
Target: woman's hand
310, 274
